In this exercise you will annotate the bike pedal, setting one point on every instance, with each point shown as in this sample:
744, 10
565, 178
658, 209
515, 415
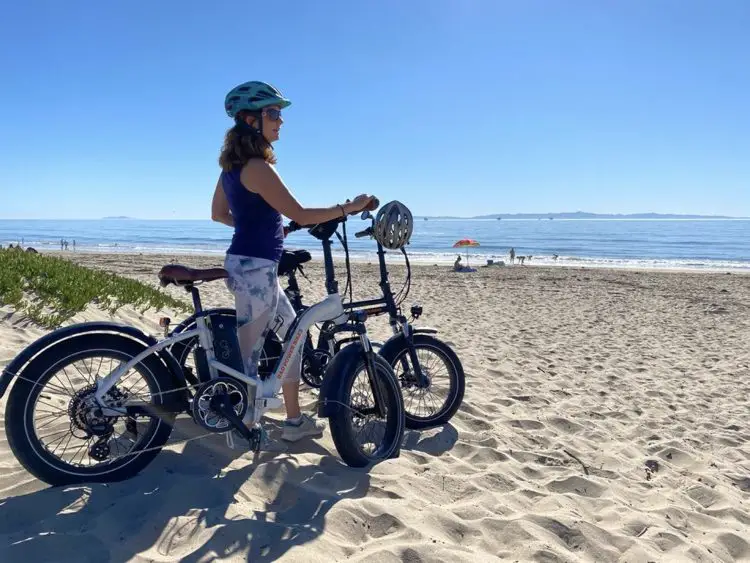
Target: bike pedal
253, 443
224, 408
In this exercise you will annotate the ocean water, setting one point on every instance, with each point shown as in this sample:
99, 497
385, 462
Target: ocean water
706, 244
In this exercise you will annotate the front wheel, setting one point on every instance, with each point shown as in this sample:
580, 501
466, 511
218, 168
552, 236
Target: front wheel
361, 434
434, 402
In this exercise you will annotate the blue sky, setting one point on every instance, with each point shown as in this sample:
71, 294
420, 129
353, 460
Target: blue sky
456, 107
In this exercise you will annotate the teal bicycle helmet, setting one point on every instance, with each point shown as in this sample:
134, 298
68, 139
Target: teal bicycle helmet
253, 96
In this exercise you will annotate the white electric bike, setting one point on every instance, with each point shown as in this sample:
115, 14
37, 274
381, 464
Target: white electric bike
97, 401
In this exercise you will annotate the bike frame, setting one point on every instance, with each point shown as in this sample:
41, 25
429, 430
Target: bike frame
372, 307
330, 309
387, 302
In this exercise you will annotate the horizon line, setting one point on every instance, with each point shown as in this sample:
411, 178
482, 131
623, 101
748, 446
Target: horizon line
483, 216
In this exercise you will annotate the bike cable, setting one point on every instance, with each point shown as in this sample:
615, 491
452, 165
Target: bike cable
400, 297
344, 242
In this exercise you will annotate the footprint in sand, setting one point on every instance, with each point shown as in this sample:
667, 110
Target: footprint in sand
572, 537
735, 546
576, 485
383, 525
677, 457
416, 457
704, 496
667, 541
564, 425
476, 424
478, 454
496, 483
503, 402
525, 424
526, 457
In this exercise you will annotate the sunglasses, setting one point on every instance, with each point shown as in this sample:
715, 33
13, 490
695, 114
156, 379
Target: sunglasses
272, 114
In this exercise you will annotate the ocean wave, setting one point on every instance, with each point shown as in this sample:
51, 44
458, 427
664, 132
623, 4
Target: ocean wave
693, 245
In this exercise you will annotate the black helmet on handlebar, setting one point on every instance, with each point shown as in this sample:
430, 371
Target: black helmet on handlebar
393, 225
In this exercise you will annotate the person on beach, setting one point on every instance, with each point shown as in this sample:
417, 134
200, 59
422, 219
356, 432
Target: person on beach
251, 197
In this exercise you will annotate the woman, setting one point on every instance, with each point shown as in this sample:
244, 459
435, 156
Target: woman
251, 197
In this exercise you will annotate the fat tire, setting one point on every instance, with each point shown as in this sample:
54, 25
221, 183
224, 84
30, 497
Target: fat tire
455, 371
19, 417
341, 431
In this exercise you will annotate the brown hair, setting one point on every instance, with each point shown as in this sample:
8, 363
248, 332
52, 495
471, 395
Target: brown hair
241, 144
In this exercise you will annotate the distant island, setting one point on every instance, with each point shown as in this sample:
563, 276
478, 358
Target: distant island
584, 215
116, 217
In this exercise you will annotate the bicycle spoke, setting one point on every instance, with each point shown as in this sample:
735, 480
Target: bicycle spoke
66, 426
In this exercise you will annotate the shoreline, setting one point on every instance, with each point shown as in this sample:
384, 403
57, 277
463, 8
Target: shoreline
398, 261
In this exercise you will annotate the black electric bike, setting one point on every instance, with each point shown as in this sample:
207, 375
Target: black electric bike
430, 373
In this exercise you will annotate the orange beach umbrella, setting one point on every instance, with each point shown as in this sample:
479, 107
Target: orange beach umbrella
465, 243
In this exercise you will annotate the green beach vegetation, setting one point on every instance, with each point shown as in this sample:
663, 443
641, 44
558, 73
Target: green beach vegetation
50, 290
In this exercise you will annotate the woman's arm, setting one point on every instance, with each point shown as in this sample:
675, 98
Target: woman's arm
220, 206
260, 177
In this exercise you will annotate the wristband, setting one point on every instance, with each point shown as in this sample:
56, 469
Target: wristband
343, 213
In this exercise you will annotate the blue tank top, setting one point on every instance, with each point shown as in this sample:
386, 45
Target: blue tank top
258, 227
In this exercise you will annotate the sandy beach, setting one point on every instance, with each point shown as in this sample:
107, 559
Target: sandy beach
605, 419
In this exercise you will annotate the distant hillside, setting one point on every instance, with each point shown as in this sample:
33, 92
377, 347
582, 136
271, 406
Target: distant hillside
585, 215
117, 217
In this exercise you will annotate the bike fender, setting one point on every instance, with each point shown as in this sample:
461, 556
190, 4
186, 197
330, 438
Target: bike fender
393, 346
331, 390
50, 339
396, 342
339, 343
346, 340
397, 339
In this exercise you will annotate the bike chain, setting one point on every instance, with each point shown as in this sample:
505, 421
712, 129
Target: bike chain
186, 440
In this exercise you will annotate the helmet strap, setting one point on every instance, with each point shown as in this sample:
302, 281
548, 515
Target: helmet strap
249, 129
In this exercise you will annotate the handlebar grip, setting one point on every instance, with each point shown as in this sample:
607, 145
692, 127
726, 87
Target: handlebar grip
362, 234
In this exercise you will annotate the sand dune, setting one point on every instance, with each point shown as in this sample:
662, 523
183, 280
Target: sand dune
605, 419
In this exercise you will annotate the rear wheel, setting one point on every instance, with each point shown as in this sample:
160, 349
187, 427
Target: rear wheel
56, 433
361, 435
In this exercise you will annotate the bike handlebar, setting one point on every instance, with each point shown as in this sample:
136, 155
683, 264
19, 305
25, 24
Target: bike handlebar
374, 204
366, 233
294, 226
